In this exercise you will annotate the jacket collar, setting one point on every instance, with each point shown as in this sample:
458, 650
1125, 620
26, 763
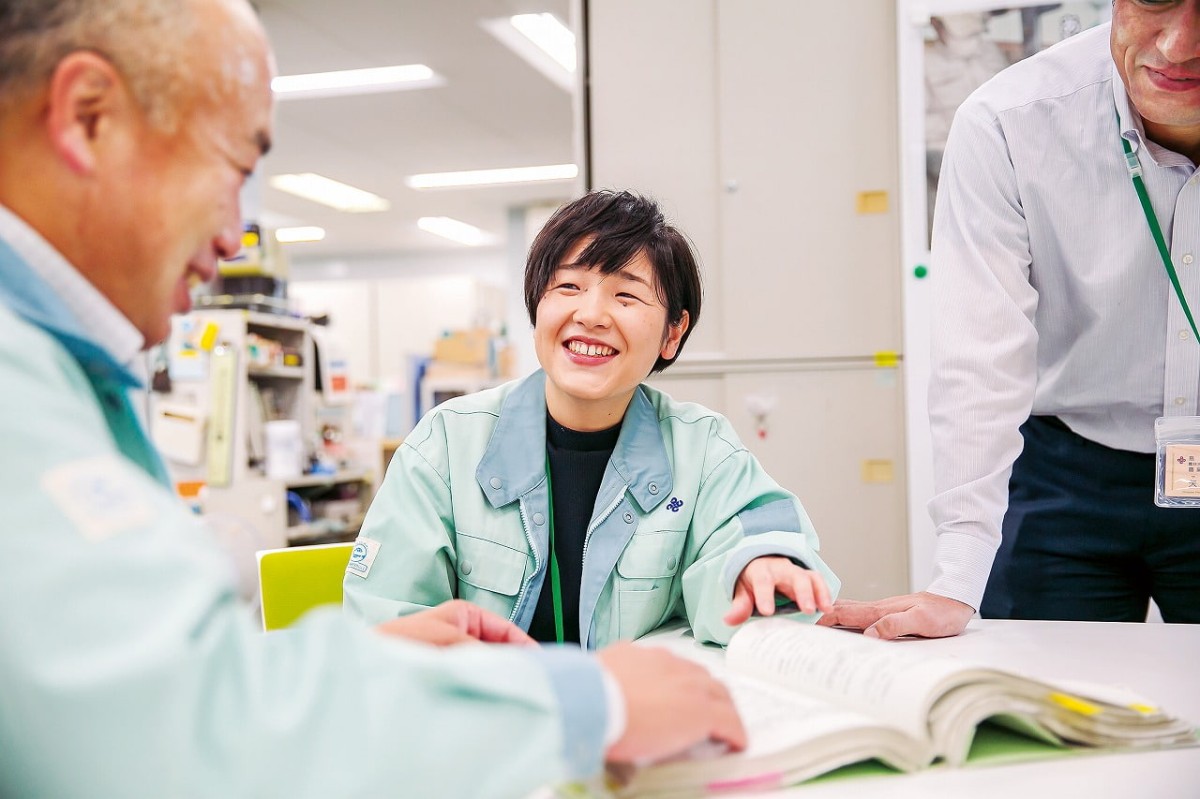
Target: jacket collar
514, 462
31, 298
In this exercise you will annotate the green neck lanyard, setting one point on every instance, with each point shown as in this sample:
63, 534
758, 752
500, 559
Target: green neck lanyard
555, 580
1135, 174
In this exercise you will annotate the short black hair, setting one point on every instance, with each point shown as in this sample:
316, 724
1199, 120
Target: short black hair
622, 225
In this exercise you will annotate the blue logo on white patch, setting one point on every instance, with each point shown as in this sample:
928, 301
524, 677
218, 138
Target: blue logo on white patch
675, 504
362, 556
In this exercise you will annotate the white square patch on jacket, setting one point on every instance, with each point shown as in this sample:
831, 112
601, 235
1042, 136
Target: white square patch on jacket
101, 496
362, 556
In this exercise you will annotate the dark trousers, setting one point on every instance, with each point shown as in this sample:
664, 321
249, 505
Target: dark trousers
1083, 539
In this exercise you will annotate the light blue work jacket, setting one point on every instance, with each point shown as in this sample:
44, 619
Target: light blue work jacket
129, 669
682, 508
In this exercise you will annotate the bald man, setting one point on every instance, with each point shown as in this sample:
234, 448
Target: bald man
127, 128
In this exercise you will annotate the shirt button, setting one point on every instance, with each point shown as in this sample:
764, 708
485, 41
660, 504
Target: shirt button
653, 488
671, 562
628, 517
1180, 400
1183, 334
465, 567
1187, 259
495, 482
538, 518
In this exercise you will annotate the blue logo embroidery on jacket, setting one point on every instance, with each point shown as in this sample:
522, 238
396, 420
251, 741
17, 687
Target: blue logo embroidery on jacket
675, 504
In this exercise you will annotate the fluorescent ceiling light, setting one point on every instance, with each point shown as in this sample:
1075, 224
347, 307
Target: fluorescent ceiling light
551, 37
321, 189
542, 41
454, 230
292, 235
355, 81
486, 177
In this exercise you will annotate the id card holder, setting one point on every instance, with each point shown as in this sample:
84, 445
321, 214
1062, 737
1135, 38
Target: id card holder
1177, 470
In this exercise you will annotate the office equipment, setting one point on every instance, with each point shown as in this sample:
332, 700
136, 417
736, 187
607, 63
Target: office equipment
294, 580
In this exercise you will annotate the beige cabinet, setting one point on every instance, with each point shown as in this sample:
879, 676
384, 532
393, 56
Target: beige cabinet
768, 130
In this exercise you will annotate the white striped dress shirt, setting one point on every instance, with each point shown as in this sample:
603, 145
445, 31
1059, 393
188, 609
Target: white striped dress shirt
1050, 296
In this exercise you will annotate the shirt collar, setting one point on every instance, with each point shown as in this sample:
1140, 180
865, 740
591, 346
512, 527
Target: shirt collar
54, 295
514, 462
91, 309
1133, 130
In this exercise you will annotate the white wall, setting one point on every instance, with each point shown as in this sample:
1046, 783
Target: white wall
386, 309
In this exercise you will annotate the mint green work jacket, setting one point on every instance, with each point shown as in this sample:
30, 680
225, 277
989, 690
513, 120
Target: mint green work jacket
682, 508
129, 669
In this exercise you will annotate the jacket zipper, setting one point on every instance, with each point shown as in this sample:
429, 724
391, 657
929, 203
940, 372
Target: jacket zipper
537, 565
587, 539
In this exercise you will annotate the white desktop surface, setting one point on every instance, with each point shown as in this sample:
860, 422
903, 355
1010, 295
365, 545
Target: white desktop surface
1158, 661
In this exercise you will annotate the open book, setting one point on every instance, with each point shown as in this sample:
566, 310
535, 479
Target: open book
815, 699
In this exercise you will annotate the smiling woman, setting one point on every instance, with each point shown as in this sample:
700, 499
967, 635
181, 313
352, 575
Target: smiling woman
603, 506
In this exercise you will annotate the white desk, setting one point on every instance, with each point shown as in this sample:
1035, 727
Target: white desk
1159, 661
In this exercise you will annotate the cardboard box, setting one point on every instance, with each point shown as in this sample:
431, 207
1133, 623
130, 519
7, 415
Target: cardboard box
469, 347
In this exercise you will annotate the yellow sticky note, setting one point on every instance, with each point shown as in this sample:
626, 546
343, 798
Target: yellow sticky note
872, 202
208, 338
1074, 704
877, 471
887, 359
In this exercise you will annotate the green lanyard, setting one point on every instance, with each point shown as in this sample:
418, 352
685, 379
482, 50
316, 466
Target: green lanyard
1135, 174
555, 580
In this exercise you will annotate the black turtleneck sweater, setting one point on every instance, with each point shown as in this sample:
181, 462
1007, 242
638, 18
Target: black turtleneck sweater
577, 464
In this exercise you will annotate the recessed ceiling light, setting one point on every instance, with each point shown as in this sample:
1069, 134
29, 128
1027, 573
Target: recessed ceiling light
321, 189
454, 230
293, 235
486, 177
355, 81
551, 36
542, 41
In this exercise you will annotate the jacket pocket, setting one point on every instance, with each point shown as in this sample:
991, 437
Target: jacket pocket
645, 580
650, 556
489, 566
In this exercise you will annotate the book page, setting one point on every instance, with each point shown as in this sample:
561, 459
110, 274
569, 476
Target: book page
888, 680
791, 737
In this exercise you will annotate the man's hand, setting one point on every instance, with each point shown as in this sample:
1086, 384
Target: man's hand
456, 622
670, 705
763, 577
924, 614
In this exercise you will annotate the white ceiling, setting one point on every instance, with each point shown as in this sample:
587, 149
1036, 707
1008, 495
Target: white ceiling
494, 110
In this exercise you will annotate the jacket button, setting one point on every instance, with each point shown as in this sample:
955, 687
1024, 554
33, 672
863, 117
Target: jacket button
538, 518
653, 487
628, 517
671, 562
465, 567
495, 482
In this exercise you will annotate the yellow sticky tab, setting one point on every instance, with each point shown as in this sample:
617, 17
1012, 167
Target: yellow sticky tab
1145, 710
877, 471
208, 338
1074, 704
886, 359
872, 202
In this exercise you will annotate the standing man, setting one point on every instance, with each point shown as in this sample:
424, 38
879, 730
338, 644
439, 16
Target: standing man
1058, 337
128, 668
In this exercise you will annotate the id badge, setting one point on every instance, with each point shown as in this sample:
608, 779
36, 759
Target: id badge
1177, 473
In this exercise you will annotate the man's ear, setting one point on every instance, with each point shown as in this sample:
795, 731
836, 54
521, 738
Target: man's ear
674, 336
86, 94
